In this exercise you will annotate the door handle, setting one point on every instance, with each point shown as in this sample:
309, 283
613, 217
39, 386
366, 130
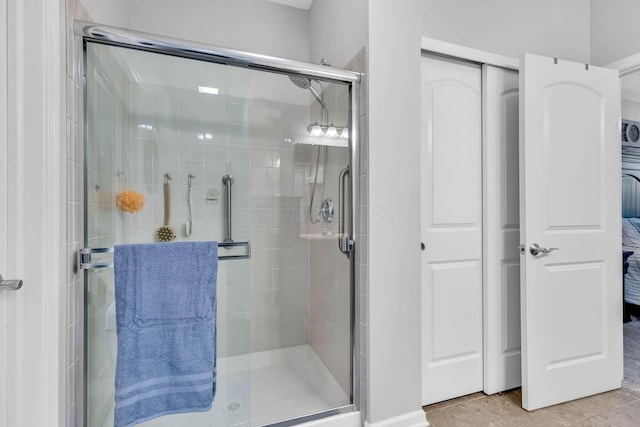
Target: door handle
535, 249
9, 285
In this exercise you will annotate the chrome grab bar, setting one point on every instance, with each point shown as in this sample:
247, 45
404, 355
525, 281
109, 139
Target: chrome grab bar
84, 255
345, 243
227, 180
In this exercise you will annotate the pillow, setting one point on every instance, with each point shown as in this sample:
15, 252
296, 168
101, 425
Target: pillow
630, 234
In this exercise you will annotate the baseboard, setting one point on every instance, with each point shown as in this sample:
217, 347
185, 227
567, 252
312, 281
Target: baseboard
412, 419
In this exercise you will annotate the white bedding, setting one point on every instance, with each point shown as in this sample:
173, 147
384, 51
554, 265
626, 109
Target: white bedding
631, 242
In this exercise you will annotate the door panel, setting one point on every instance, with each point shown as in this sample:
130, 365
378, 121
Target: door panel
451, 229
5, 333
570, 199
4, 176
501, 230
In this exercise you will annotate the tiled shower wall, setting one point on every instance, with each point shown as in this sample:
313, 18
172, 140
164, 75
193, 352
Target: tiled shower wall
74, 291
269, 186
329, 284
360, 63
108, 124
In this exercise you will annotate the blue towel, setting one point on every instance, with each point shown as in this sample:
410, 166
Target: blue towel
165, 311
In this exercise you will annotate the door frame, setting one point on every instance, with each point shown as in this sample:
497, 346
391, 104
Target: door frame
34, 149
464, 53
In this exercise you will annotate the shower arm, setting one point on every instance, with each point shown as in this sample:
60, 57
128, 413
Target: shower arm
325, 110
318, 98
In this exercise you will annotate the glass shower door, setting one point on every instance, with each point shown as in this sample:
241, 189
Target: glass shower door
248, 156
149, 117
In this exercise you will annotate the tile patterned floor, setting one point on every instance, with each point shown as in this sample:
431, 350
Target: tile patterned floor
618, 408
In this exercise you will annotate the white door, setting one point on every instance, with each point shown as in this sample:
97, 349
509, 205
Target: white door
570, 200
501, 230
451, 212
3, 213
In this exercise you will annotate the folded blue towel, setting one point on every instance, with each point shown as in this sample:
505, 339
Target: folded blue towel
165, 311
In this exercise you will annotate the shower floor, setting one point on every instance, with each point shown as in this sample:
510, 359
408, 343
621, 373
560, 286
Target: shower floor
281, 384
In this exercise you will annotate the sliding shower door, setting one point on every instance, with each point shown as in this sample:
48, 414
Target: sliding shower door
147, 124
224, 153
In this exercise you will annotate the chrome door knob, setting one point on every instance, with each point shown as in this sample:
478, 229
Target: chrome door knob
10, 285
535, 249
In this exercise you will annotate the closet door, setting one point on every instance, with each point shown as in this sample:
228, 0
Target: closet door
501, 230
451, 229
570, 200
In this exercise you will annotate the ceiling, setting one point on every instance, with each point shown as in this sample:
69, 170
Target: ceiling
300, 4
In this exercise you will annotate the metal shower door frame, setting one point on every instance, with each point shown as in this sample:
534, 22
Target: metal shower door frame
103, 34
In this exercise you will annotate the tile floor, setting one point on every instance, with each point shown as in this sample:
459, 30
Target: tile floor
618, 408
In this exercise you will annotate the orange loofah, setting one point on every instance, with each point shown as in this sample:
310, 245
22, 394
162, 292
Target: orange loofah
130, 201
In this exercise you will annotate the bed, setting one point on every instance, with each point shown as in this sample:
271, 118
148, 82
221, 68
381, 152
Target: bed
631, 234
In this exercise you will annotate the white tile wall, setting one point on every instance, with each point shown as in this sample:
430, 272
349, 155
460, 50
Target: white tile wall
360, 63
329, 294
74, 309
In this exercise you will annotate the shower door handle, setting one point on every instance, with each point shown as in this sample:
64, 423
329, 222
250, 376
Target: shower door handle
227, 181
345, 243
10, 285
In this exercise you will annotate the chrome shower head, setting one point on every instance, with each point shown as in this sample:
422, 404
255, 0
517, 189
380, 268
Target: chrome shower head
305, 83
301, 82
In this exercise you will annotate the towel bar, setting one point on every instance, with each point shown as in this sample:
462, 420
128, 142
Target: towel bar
84, 255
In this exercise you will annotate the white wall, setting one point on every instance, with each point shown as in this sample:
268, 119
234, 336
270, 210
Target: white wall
105, 12
338, 30
394, 210
614, 30
631, 110
512, 27
254, 26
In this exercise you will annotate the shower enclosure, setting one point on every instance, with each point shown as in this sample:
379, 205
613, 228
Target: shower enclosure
255, 153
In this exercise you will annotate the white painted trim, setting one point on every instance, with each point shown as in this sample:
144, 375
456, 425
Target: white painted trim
475, 55
412, 419
627, 65
55, 201
35, 164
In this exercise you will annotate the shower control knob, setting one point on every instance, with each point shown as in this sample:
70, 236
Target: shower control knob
326, 210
